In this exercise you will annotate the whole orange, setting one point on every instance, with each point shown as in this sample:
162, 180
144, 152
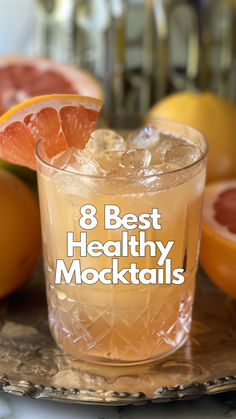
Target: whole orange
214, 117
20, 238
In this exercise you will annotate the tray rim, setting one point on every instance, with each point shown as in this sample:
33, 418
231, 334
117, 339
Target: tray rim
187, 391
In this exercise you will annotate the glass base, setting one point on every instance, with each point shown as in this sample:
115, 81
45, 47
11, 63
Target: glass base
120, 363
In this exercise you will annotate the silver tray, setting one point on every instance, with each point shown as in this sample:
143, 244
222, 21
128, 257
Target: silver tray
32, 365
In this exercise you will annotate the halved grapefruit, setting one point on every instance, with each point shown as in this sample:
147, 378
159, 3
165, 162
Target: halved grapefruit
23, 77
60, 120
218, 242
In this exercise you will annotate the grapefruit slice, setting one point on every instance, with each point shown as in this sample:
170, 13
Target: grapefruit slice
23, 77
60, 120
218, 243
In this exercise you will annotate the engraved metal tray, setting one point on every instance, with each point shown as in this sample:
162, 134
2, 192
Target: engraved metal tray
32, 365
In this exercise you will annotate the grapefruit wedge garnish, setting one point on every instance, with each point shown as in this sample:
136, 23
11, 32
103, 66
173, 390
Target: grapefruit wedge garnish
61, 121
23, 77
218, 243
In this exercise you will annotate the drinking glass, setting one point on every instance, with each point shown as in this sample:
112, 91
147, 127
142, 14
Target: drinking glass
120, 323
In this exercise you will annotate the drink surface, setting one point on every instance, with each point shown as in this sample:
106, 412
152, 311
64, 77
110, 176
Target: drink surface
141, 153
123, 323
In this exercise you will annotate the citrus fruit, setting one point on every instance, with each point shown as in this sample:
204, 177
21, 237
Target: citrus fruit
27, 175
214, 117
60, 120
23, 77
218, 242
20, 242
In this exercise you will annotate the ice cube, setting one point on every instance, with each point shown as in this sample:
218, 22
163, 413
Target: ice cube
136, 159
102, 140
64, 158
165, 145
85, 164
158, 152
168, 142
158, 168
72, 181
147, 137
76, 161
110, 160
114, 155
181, 156
150, 177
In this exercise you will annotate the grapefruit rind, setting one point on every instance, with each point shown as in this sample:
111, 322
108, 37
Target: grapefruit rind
36, 104
82, 81
218, 244
212, 191
61, 120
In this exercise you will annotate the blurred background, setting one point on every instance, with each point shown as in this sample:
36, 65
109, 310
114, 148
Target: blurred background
140, 50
